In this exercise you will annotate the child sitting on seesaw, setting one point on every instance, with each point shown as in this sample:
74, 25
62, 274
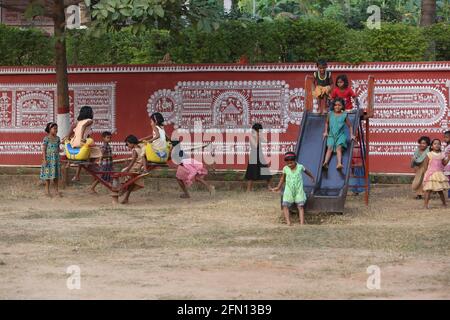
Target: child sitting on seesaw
293, 191
335, 133
138, 165
158, 139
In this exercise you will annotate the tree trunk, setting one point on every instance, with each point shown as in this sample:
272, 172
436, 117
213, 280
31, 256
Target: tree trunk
62, 85
428, 13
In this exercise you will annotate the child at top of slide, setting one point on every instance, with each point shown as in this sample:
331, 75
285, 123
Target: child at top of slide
345, 92
322, 85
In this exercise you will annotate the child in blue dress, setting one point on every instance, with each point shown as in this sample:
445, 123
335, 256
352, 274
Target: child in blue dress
335, 133
293, 191
51, 166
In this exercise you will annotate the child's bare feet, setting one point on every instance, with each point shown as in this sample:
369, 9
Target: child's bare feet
185, 196
325, 166
124, 201
58, 194
92, 190
339, 166
75, 179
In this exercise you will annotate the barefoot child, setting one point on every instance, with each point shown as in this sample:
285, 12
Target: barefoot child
136, 165
106, 160
447, 154
419, 165
51, 166
434, 179
293, 191
189, 171
322, 85
335, 133
343, 91
257, 168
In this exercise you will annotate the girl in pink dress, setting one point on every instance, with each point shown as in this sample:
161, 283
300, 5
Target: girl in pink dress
434, 179
190, 170
447, 154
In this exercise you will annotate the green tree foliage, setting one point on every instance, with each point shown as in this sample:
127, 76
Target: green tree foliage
24, 47
279, 40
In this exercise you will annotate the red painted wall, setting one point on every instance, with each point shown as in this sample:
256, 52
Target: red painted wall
411, 99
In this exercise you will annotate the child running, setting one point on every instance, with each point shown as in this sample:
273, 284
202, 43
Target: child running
335, 133
106, 160
51, 166
322, 85
136, 165
343, 91
419, 165
434, 179
189, 171
293, 191
447, 154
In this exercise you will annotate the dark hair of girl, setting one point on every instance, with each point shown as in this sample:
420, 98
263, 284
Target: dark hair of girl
257, 126
85, 113
432, 141
132, 139
342, 101
344, 78
49, 126
158, 118
321, 63
447, 133
424, 138
290, 156
106, 134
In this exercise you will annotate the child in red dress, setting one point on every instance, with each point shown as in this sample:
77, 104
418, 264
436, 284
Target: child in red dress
343, 91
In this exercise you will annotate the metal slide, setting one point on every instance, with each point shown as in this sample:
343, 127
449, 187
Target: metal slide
329, 192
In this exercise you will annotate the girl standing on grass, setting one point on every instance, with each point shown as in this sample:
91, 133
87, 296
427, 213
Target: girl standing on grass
434, 179
419, 165
343, 91
51, 166
256, 162
335, 134
293, 191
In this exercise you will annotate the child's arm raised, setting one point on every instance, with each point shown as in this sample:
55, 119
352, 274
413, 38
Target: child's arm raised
278, 187
349, 125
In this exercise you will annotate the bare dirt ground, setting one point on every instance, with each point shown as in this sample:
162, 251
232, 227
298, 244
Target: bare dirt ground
232, 246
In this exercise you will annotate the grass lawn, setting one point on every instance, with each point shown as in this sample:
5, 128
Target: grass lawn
231, 246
